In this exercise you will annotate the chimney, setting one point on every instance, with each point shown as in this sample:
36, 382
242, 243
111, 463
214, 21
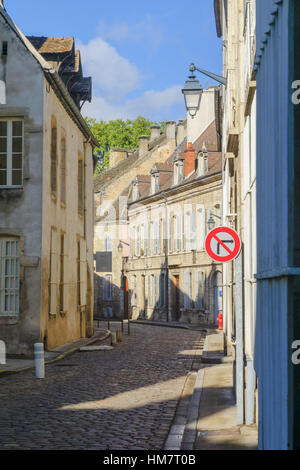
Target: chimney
170, 129
155, 132
180, 132
143, 147
116, 155
189, 160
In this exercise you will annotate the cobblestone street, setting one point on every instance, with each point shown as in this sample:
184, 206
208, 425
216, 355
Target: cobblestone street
119, 399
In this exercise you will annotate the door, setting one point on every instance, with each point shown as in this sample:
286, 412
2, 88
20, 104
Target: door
218, 292
177, 298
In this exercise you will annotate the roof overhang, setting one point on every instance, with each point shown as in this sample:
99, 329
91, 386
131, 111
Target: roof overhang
218, 16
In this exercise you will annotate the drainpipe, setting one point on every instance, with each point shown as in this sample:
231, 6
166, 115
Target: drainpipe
166, 257
239, 334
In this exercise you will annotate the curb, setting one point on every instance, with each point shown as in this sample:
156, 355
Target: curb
213, 359
58, 358
190, 430
167, 325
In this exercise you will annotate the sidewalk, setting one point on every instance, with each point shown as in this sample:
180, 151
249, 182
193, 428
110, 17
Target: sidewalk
216, 425
16, 364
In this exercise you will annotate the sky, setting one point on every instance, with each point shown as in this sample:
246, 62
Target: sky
137, 52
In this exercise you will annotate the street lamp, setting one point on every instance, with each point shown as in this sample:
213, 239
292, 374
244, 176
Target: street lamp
120, 246
193, 91
211, 222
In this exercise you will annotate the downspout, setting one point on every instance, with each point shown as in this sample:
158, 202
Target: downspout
166, 257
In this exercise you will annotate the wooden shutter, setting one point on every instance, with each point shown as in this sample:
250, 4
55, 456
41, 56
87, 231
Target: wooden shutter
54, 272
202, 229
193, 230
183, 233
83, 272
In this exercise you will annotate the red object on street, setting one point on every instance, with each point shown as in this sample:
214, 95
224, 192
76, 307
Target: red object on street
220, 321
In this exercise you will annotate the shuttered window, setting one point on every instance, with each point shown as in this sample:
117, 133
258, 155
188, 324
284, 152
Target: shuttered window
54, 264
80, 185
53, 172
11, 152
63, 273
9, 276
201, 228
63, 171
107, 242
188, 295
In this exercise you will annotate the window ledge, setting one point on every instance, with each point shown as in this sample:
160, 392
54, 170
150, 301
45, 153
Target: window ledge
63, 205
63, 313
8, 320
53, 197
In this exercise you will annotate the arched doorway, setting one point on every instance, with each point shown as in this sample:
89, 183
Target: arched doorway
217, 294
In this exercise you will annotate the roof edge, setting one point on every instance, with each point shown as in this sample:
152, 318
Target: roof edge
218, 10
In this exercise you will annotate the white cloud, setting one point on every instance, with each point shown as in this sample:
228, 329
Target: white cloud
114, 75
147, 30
154, 105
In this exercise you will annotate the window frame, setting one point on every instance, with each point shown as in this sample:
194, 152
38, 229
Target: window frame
3, 260
9, 153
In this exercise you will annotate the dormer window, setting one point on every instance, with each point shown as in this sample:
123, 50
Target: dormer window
154, 182
178, 172
202, 161
135, 191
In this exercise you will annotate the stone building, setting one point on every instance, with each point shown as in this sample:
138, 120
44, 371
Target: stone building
46, 198
111, 188
170, 276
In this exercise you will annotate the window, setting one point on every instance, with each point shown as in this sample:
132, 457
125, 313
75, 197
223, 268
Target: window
138, 241
53, 157
201, 228
192, 230
107, 291
63, 271
170, 239
199, 290
4, 48
177, 232
107, 242
53, 273
188, 289
80, 185
11, 152
9, 276
81, 272
63, 171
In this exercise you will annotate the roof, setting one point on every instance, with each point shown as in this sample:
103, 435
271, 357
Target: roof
166, 169
51, 75
51, 45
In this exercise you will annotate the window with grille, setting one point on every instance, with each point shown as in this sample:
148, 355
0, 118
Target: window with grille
9, 276
11, 152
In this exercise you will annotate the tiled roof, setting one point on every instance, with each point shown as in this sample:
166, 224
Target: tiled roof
51, 45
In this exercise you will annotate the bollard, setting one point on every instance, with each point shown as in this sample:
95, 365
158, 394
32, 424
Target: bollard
119, 335
113, 339
39, 360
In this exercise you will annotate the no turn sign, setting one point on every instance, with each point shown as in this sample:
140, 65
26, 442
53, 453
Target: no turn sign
222, 244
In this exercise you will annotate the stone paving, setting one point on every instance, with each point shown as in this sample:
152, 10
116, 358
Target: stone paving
120, 399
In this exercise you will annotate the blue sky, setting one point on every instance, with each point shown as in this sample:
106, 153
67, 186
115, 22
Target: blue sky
137, 52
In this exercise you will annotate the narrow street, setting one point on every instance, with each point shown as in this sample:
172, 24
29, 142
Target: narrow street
124, 398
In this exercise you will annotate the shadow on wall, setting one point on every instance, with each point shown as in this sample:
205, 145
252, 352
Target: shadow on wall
161, 296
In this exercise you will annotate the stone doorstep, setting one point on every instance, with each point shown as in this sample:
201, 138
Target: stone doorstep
54, 355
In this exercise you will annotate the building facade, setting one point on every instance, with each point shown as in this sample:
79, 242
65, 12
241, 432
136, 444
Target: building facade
170, 276
111, 240
278, 212
46, 201
236, 24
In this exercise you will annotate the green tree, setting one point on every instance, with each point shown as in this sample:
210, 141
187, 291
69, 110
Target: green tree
117, 133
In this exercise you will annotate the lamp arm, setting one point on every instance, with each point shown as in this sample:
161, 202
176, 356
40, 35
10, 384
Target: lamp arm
218, 78
214, 215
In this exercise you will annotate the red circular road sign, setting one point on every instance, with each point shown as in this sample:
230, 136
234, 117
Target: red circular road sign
222, 244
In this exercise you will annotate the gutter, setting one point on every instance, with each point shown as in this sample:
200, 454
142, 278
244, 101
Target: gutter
180, 188
63, 94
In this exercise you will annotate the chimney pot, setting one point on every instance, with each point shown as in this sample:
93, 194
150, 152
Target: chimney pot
143, 146
155, 132
189, 160
180, 132
170, 130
